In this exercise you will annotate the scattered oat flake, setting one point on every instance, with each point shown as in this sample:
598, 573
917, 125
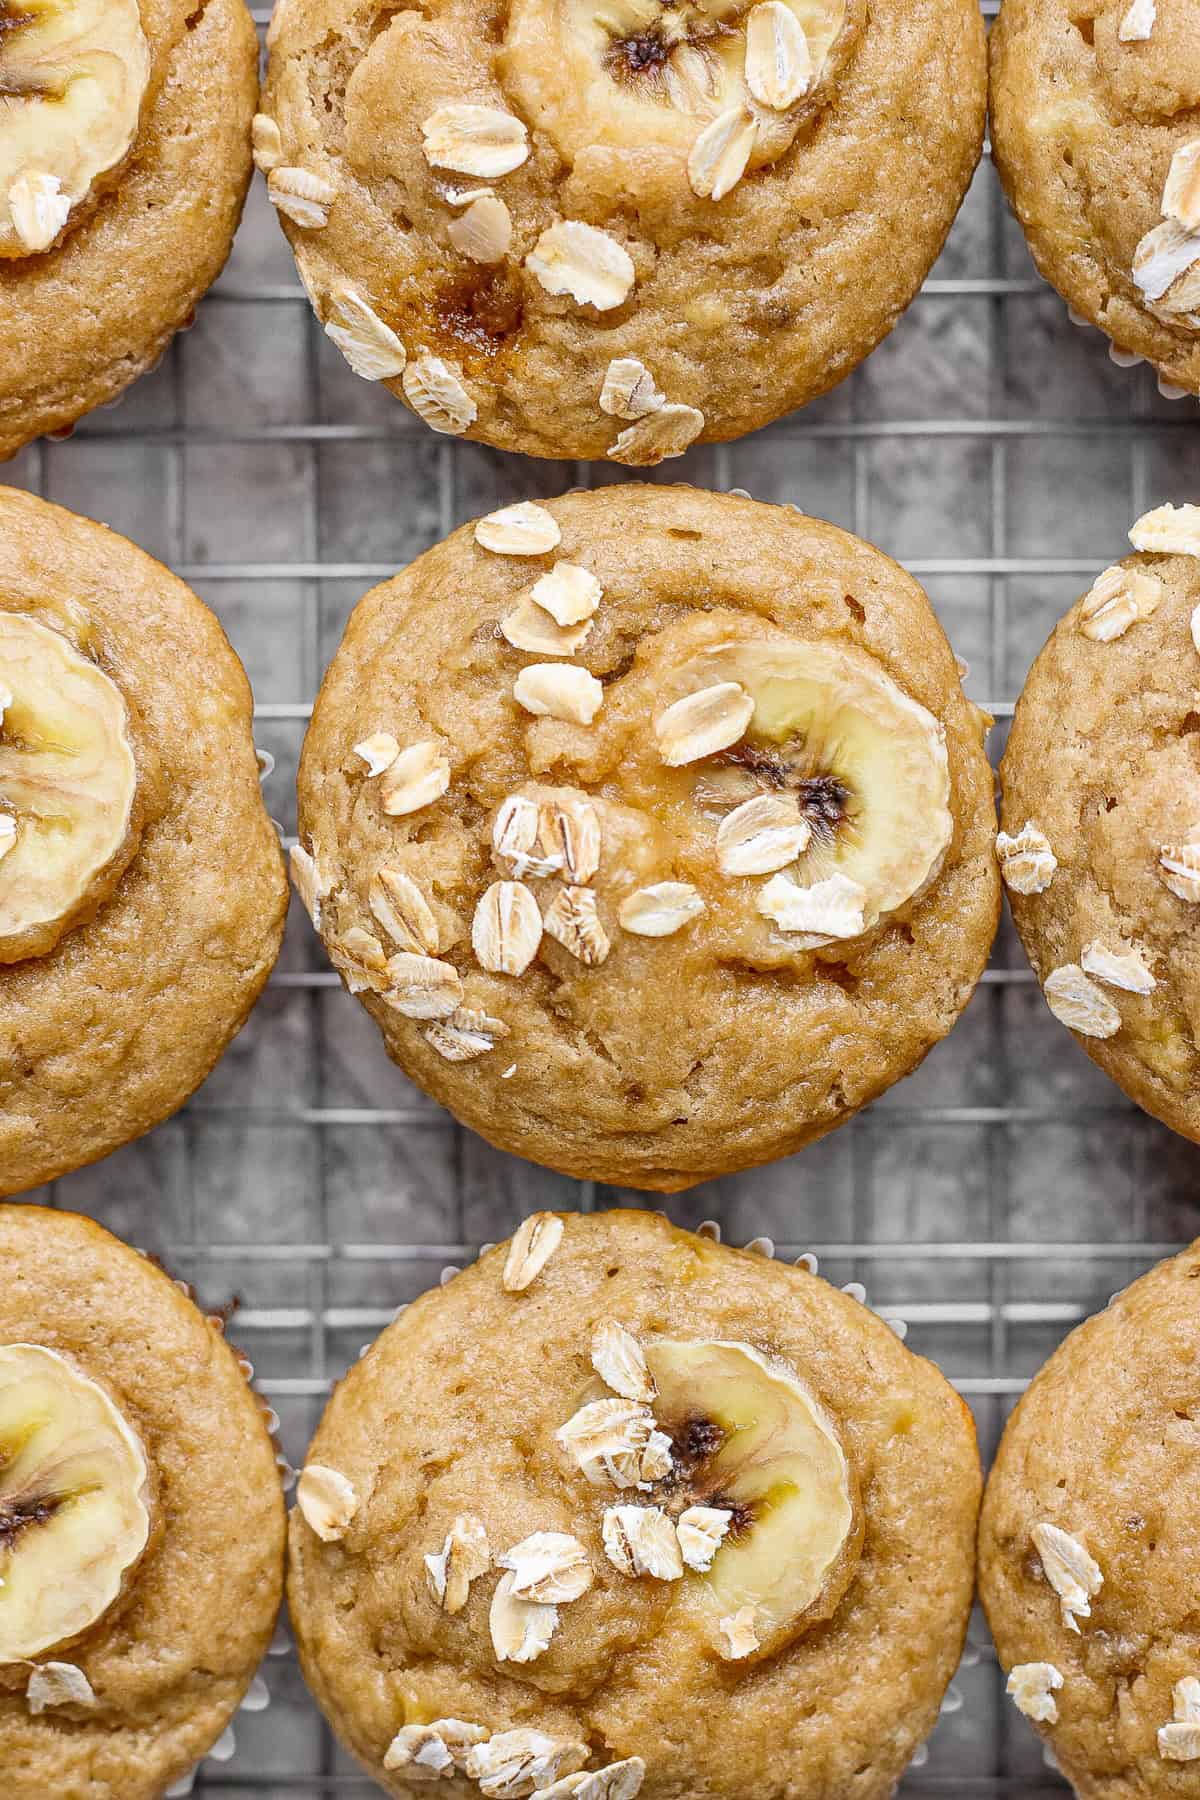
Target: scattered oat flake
620, 1362
641, 1540
8, 834
466, 1034
569, 832
558, 691
667, 431
1180, 1741
38, 207
427, 1752
463, 1558
1138, 22
1072, 1573
1078, 1003
1033, 1687
306, 879
1125, 967
607, 1439
379, 751
484, 231
589, 265
655, 1462
1118, 599
702, 723
327, 1502
521, 1630
517, 841
364, 948
303, 195
370, 347
718, 157
629, 390
507, 1074
1163, 255
434, 391
506, 929
829, 909
267, 142
1180, 867
523, 529
1186, 1700
573, 921
528, 627
516, 1763
762, 835
534, 1243
617, 1781
550, 1567
1168, 530
739, 1636
1195, 627
701, 1531
423, 987
402, 909
779, 66
474, 140
1181, 195
1027, 863
568, 593
417, 777
661, 909
58, 1684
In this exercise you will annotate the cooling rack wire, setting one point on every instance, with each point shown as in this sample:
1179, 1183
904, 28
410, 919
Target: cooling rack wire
985, 1205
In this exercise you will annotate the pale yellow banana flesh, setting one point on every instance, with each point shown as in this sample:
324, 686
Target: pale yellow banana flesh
780, 1467
74, 1502
72, 77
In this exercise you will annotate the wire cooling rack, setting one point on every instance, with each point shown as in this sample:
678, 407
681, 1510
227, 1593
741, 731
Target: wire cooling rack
988, 1203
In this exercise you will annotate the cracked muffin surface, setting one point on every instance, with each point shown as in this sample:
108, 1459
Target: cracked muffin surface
1093, 117
674, 886
129, 790
1088, 1548
121, 186
1101, 763
455, 1451
108, 1352
492, 207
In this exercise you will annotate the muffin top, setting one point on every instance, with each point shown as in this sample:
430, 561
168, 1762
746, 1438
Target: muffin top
141, 1518
1089, 1554
740, 1501
492, 207
1100, 848
1093, 112
567, 889
128, 784
124, 160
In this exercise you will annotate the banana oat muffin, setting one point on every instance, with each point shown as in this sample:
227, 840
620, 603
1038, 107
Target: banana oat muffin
609, 228
142, 892
622, 1510
141, 1519
1100, 847
124, 161
1094, 129
652, 828
1089, 1557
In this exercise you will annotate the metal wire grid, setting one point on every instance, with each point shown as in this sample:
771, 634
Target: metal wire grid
989, 1203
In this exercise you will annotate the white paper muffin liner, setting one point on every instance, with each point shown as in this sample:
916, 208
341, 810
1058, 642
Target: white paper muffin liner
1129, 359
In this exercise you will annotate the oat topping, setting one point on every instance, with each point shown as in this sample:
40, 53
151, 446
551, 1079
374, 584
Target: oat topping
550, 1567
379, 752
779, 66
533, 1245
1118, 599
701, 1531
1078, 1003
365, 948
38, 207
1181, 195
620, 1362
1168, 530
427, 1752
529, 627
474, 140
370, 347
1165, 253
832, 908
1179, 865
483, 231
558, 691
302, 195
1027, 863
1033, 1687
506, 929
517, 840
568, 593
762, 835
718, 157
1071, 1572
403, 911
738, 1634
466, 1034
523, 529
629, 390
434, 390
607, 1440
423, 987
267, 143
569, 831
417, 777
514, 1764
1138, 22
327, 1501
1195, 627
58, 1684
462, 1559
1180, 1741
572, 919
702, 723
307, 881
661, 909
521, 1630
618, 1781
589, 265
641, 1540
1125, 967
667, 431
